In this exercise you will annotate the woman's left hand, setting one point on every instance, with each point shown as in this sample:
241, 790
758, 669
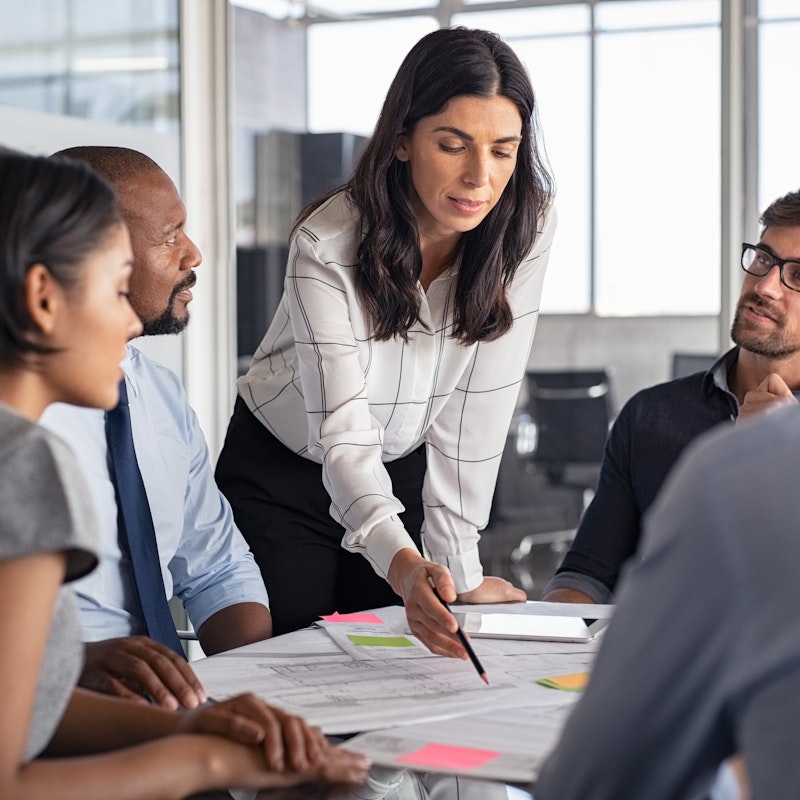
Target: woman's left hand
494, 590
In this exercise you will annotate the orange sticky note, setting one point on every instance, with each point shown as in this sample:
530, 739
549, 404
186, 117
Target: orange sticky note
357, 617
576, 682
447, 756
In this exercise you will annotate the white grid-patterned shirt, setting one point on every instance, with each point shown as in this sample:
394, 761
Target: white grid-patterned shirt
330, 392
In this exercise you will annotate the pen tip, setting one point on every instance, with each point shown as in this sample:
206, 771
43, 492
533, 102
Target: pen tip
485, 679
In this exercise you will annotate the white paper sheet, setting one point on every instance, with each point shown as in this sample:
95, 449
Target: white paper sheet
307, 674
519, 738
362, 641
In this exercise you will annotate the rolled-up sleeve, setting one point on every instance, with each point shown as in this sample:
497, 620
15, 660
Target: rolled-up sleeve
212, 567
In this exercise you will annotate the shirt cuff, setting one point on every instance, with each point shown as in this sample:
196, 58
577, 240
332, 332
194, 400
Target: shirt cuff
466, 569
597, 590
384, 541
200, 612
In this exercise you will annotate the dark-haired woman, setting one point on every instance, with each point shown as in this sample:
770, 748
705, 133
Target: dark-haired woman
65, 264
368, 431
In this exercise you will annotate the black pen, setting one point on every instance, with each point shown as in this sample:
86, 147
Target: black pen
467, 646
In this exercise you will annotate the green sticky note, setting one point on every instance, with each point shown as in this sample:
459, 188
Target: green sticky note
380, 641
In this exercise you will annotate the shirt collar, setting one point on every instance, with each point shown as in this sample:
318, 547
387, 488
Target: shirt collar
127, 367
717, 374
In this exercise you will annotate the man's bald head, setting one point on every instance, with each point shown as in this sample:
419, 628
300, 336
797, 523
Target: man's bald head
164, 257
117, 165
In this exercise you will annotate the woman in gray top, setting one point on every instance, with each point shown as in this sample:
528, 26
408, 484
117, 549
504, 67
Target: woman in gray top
65, 262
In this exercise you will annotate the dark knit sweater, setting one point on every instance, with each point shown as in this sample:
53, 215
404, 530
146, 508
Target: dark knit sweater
651, 431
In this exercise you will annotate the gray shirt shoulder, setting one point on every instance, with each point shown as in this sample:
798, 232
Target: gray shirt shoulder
45, 508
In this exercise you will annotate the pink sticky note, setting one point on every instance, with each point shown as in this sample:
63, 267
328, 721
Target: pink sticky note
447, 756
358, 617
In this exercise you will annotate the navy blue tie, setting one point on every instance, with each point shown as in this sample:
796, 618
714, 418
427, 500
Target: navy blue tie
136, 525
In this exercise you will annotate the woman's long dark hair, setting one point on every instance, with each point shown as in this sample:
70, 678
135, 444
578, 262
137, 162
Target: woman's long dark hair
447, 63
53, 212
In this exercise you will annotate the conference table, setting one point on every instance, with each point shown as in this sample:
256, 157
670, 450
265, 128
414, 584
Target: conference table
426, 720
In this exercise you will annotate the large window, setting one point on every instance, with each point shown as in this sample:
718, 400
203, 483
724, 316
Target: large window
629, 96
779, 111
112, 61
657, 164
630, 100
555, 45
350, 67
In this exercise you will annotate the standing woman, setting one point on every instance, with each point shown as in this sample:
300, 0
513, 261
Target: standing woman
375, 410
65, 263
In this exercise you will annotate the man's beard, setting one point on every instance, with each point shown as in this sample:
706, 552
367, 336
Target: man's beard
168, 323
773, 345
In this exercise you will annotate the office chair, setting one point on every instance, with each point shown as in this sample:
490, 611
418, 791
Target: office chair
570, 412
687, 363
186, 632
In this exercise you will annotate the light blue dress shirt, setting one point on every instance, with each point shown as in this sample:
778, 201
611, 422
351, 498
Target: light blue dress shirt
204, 558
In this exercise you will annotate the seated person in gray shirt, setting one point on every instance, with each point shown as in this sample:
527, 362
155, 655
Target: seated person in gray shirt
656, 425
65, 266
692, 670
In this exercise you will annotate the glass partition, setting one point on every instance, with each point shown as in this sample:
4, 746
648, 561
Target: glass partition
111, 61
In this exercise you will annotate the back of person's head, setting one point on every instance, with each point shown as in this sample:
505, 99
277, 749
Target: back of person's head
783, 212
53, 212
117, 165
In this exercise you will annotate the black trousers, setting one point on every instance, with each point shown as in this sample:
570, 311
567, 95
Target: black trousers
281, 507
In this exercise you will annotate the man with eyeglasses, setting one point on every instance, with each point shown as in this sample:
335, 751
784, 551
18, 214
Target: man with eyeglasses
654, 427
762, 371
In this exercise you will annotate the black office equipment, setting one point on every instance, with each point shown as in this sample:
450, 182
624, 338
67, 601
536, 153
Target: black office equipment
686, 363
569, 413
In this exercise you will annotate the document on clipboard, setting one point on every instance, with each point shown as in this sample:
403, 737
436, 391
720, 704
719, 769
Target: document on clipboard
533, 627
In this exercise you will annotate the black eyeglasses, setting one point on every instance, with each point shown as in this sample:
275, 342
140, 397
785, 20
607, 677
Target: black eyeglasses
758, 261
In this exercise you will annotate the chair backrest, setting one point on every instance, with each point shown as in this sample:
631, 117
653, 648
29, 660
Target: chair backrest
687, 363
572, 413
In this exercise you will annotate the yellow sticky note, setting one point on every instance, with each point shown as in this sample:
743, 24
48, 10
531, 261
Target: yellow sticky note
576, 682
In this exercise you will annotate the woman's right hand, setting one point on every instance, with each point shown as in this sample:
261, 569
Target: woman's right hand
335, 769
413, 577
287, 741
